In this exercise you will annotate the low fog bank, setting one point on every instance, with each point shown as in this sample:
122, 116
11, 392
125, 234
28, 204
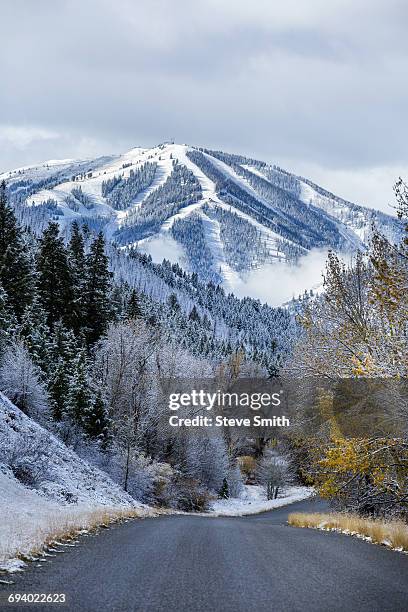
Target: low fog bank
280, 282
162, 247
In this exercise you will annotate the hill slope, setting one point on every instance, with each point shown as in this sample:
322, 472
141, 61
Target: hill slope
39, 460
46, 489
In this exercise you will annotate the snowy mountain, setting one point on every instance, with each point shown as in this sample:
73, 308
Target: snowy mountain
216, 214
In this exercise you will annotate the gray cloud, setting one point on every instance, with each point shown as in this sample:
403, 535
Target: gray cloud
311, 85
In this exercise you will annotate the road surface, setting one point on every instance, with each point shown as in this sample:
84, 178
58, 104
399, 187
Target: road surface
192, 563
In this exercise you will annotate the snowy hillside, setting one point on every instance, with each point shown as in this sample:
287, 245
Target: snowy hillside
217, 214
46, 489
54, 470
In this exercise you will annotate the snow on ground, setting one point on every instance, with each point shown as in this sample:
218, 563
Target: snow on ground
212, 230
253, 500
89, 177
54, 493
61, 475
242, 182
39, 171
64, 493
210, 197
29, 520
339, 210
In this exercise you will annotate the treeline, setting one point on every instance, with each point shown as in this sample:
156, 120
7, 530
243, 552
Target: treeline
234, 195
280, 210
47, 177
283, 190
82, 197
55, 303
190, 233
244, 245
317, 229
226, 324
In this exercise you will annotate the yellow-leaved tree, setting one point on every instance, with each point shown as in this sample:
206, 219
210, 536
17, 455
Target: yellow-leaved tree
358, 330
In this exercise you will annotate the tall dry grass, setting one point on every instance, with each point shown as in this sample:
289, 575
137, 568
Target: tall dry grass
392, 533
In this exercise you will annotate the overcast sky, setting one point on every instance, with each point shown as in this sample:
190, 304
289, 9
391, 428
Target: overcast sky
315, 86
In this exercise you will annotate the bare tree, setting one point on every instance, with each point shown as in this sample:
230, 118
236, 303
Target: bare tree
273, 473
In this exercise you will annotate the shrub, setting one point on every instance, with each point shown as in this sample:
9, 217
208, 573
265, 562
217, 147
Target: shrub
188, 495
247, 465
28, 461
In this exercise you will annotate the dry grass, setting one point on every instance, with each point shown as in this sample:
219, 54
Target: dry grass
389, 533
61, 527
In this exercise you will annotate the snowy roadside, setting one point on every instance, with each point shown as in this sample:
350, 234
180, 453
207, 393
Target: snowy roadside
48, 493
30, 522
253, 500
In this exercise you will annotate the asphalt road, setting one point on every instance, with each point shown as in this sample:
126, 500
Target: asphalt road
194, 564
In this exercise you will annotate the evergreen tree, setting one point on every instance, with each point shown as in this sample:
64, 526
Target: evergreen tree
80, 398
77, 260
55, 281
58, 390
224, 493
173, 302
118, 301
61, 367
36, 334
6, 319
16, 274
98, 285
4, 313
76, 249
194, 316
133, 310
97, 422
64, 344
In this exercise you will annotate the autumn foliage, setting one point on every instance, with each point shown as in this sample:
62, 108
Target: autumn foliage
358, 329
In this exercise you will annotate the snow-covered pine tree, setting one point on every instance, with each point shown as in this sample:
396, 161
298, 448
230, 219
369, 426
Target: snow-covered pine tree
96, 421
97, 289
54, 278
194, 316
60, 369
16, 274
36, 334
6, 318
77, 261
173, 302
133, 309
80, 396
58, 389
